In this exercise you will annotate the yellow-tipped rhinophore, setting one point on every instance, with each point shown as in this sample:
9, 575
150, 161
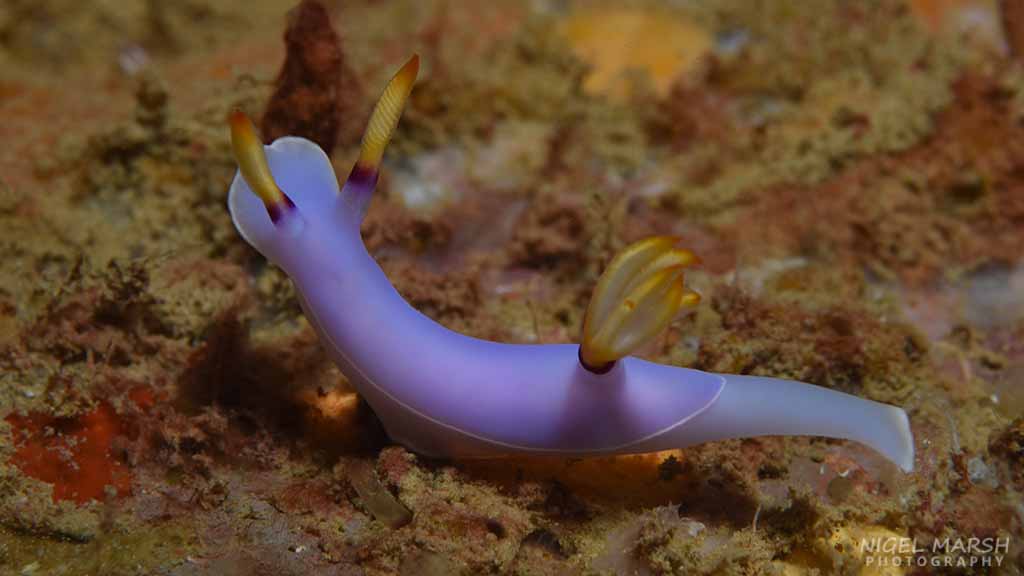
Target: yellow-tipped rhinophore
252, 163
385, 115
637, 296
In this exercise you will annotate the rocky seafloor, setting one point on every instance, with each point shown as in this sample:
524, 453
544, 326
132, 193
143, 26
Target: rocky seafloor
850, 173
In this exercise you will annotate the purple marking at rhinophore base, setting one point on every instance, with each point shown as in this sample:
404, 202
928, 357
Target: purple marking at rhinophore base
279, 211
359, 187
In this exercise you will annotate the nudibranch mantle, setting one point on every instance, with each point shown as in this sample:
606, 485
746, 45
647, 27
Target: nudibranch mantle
517, 397
442, 393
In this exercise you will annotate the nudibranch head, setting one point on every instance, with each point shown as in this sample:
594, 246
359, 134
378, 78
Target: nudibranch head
282, 188
639, 293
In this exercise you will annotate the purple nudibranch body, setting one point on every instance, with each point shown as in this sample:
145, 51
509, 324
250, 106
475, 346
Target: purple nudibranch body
441, 393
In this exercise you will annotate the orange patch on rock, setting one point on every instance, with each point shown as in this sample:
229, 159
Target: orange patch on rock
72, 454
616, 40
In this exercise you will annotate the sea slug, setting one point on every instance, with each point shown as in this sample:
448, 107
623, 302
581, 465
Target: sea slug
442, 393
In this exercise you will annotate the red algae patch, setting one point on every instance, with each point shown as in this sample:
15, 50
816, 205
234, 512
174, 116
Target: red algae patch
71, 453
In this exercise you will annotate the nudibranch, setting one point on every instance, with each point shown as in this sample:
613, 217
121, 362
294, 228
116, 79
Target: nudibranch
441, 393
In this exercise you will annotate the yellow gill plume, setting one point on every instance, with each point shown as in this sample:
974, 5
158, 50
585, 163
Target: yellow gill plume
637, 296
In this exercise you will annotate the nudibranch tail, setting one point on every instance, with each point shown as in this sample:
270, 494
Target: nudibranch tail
638, 295
379, 130
252, 163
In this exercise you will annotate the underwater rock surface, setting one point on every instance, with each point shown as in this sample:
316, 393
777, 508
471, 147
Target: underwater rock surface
850, 174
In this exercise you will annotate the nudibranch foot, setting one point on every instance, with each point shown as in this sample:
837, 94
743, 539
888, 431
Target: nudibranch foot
446, 394
761, 406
